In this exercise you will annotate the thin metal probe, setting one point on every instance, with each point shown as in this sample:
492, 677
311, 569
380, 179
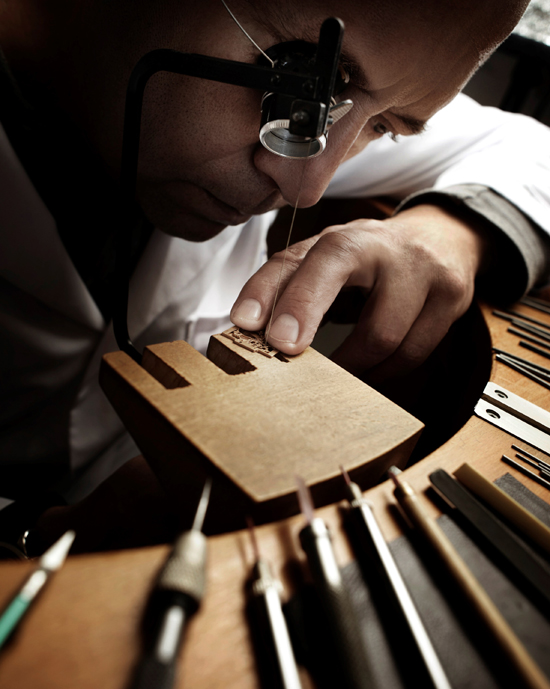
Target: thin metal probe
347, 640
514, 315
544, 335
523, 362
366, 520
539, 371
176, 598
528, 461
266, 592
534, 340
234, 18
532, 348
537, 304
516, 367
528, 454
200, 514
527, 472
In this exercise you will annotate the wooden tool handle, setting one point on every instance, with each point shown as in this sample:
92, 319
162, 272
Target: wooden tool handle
482, 604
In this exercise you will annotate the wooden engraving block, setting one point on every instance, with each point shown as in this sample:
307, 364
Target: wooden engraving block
254, 419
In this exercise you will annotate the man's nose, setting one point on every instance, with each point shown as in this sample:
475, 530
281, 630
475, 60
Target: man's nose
305, 180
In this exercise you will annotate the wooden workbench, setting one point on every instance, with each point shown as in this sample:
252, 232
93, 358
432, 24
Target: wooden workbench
84, 631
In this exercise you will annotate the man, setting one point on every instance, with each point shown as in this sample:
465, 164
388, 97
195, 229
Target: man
204, 178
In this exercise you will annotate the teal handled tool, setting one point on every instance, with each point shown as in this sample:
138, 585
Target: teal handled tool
49, 563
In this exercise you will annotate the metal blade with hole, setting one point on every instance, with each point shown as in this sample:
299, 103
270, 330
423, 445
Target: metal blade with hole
517, 406
513, 425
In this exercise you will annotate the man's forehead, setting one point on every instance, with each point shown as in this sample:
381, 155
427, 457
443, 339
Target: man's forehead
286, 23
392, 62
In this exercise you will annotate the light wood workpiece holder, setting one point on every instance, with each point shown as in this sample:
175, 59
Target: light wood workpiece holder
84, 632
253, 419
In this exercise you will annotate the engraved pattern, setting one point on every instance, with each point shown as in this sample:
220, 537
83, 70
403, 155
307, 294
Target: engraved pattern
254, 342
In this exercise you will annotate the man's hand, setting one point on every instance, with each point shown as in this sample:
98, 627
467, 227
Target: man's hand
417, 271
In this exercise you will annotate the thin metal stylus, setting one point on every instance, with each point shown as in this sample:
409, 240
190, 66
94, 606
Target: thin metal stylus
266, 594
366, 521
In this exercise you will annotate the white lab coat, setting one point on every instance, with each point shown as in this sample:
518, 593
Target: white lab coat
53, 335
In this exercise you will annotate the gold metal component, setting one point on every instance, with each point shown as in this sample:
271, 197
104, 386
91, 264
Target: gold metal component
254, 342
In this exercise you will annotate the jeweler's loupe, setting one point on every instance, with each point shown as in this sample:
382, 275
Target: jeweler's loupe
276, 136
292, 127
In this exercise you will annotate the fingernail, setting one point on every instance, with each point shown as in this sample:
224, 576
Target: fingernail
285, 329
248, 310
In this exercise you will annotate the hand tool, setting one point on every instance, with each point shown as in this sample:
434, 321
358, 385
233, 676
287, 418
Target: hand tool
266, 593
176, 598
526, 522
475, 594
512, 548
334, 597
366, 522
50, 562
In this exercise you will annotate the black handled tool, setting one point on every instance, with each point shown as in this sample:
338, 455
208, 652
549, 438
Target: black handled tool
266, 594
381, 556
337, 606
175, 599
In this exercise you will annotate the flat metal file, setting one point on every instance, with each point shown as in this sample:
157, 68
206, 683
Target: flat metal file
515, 415
519, 556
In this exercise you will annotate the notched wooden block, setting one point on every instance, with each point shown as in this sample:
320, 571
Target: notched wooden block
254, 422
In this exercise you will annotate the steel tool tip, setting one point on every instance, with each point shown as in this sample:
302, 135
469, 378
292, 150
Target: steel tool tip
346, 476
202, 506
354, 493
304, 498
393, 474
55, 556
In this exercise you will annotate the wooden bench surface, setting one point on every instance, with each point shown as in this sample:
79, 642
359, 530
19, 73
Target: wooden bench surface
84, 631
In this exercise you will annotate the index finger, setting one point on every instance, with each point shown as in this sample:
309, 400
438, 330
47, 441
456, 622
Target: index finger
253, 308
310, 287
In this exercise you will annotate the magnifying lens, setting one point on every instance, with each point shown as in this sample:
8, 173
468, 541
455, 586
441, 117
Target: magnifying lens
288, 122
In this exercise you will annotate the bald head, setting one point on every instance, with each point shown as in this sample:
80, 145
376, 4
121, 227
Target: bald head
472, 27
482, 24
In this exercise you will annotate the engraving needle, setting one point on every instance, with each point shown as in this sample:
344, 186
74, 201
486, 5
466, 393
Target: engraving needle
176, 598
50, 562
366, 521
333, 595
539, 461
266, 592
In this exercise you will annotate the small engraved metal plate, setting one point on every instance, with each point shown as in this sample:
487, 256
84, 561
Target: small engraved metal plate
254, 342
